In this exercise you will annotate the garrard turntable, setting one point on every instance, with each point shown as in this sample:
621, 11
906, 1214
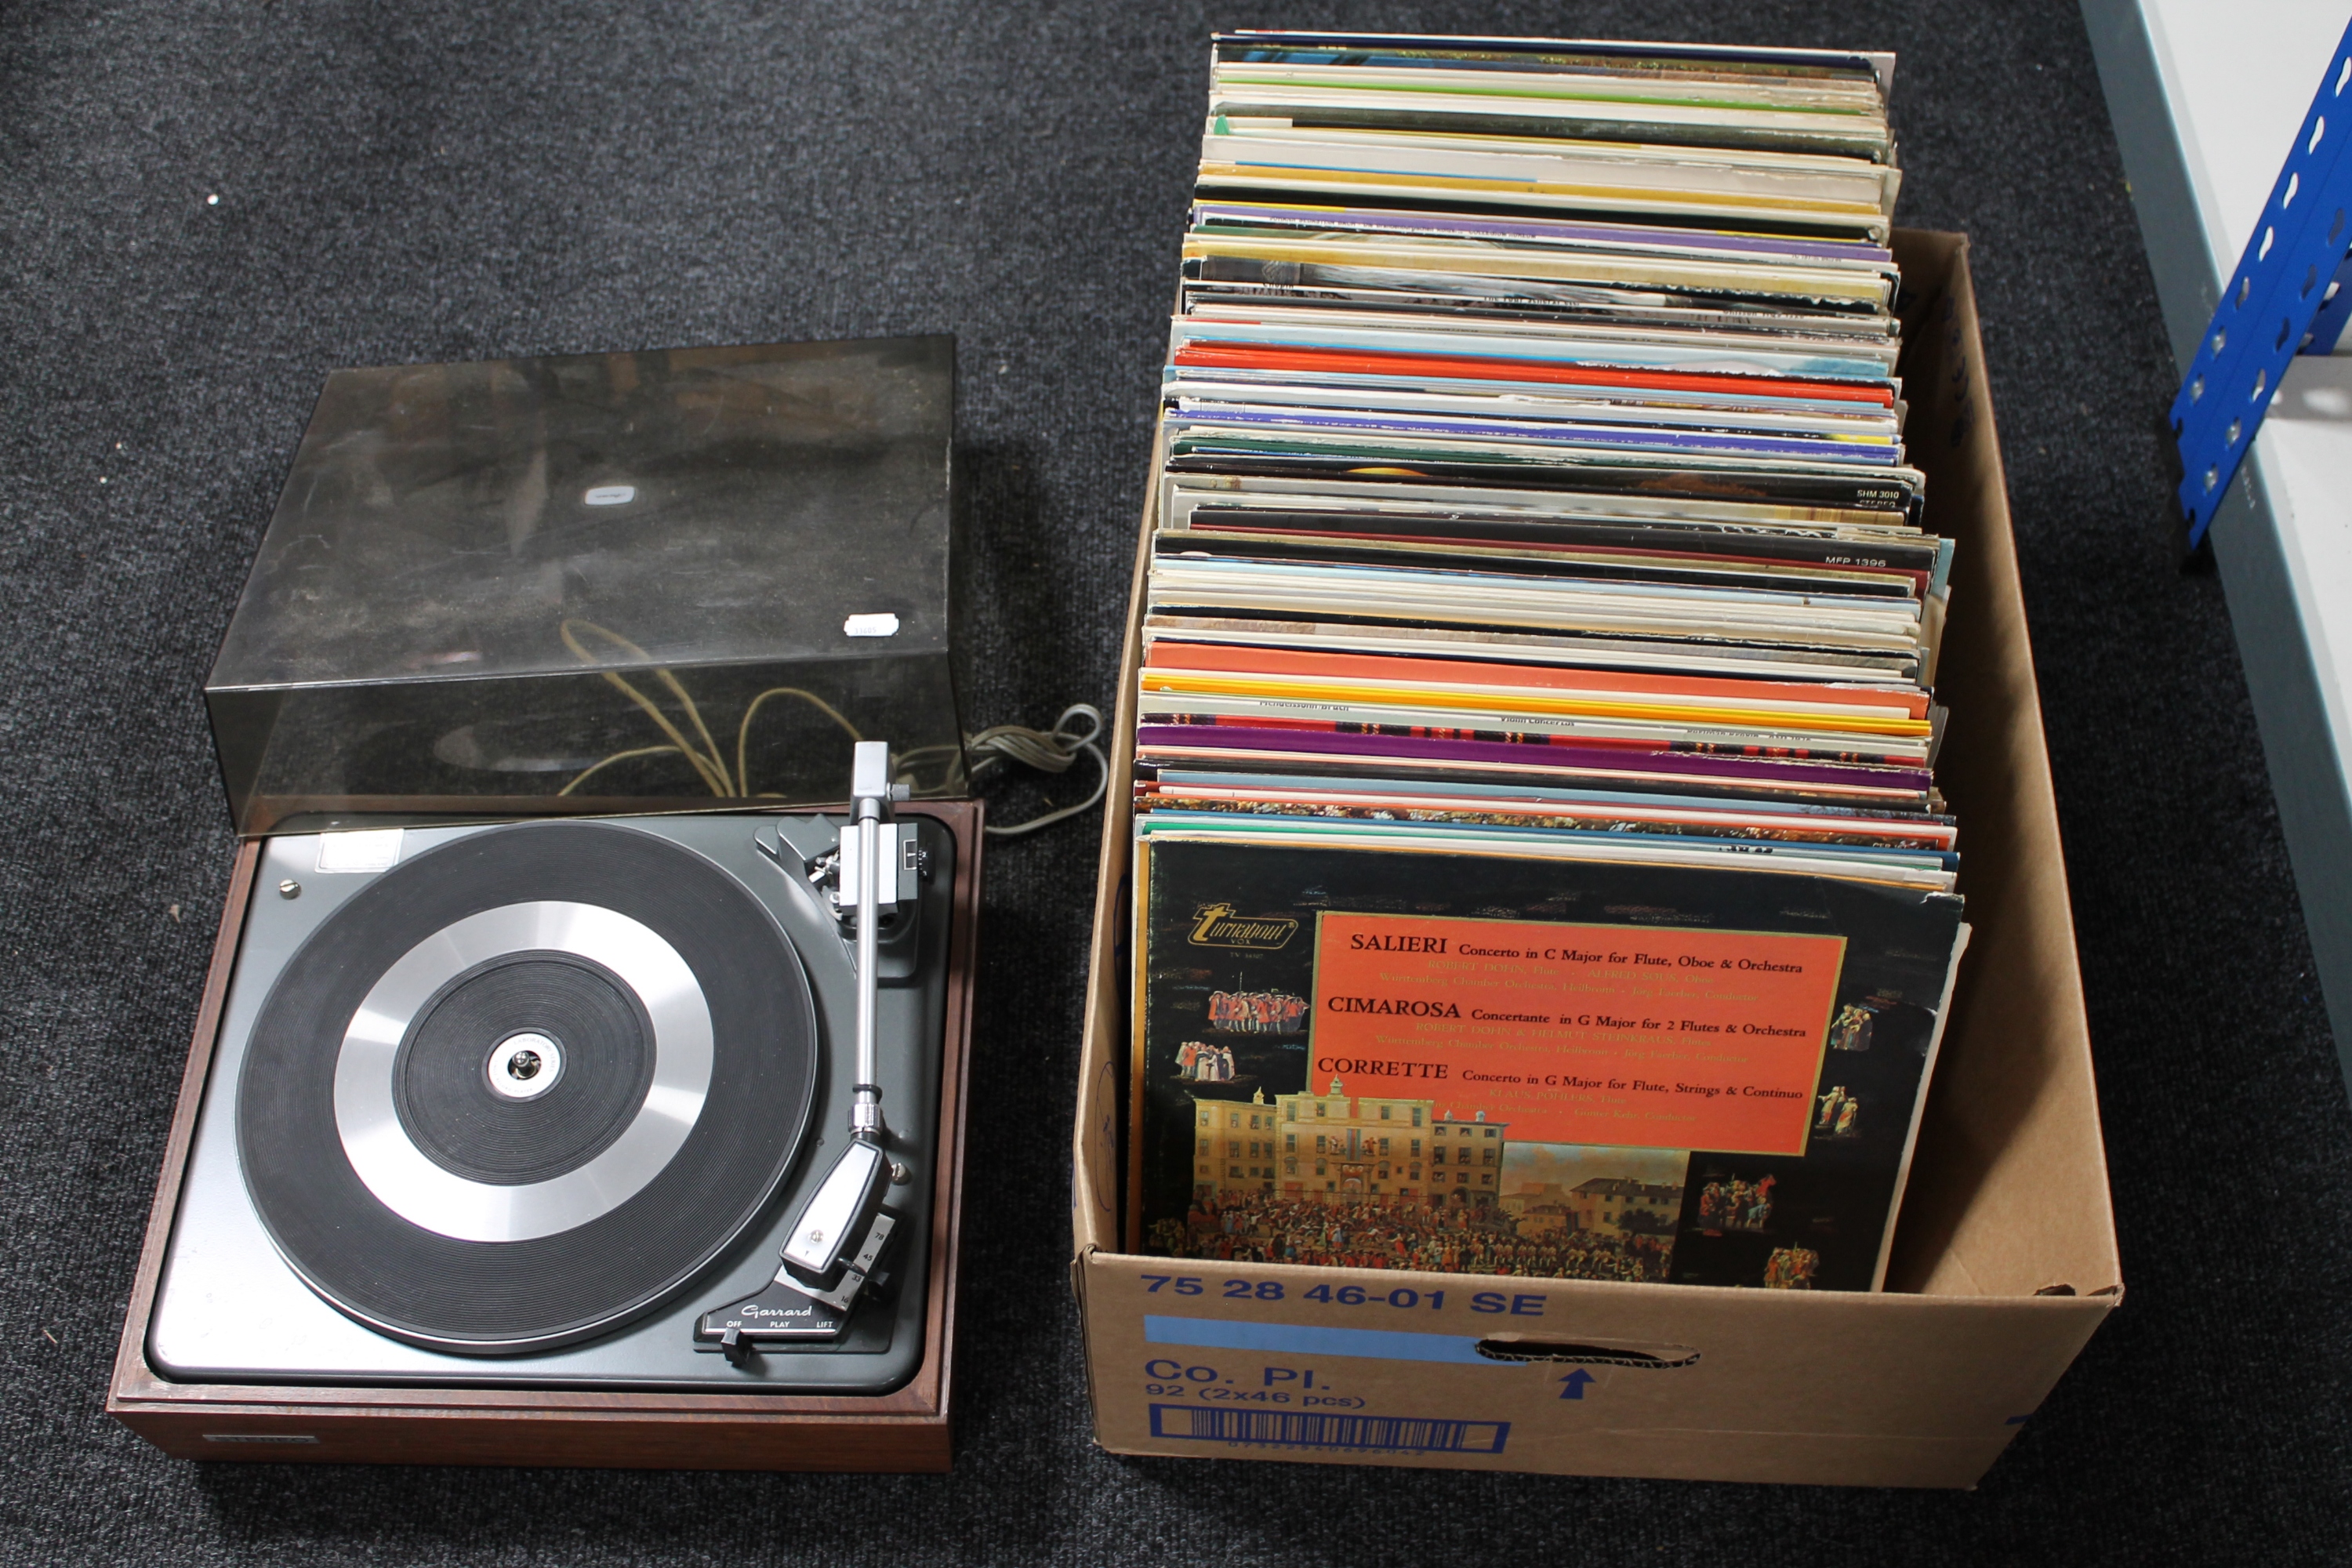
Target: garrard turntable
610, 1127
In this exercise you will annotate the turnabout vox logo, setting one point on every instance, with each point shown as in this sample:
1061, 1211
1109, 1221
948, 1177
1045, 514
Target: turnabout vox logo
1216, 925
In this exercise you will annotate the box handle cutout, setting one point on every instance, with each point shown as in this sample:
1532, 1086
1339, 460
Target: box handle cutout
1512, 1348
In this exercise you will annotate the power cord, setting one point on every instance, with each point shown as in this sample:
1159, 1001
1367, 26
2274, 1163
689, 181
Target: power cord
1049, 751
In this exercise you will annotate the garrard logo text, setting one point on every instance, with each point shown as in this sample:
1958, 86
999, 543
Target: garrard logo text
1216, 925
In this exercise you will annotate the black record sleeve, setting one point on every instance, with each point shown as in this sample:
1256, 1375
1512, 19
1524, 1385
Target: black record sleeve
1225, 1020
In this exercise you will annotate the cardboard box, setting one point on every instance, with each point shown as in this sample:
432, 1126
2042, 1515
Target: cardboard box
2004, 1259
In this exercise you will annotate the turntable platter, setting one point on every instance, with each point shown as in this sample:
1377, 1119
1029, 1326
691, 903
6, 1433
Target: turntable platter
524, 1085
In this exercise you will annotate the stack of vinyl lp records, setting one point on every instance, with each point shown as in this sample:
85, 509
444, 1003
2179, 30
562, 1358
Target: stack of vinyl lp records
1540, 866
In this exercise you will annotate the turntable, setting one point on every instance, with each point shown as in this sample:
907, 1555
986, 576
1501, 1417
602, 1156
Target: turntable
587, 1130
495, 1120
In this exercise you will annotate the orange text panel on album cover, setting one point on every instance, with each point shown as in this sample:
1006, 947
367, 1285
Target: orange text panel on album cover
1637, 1036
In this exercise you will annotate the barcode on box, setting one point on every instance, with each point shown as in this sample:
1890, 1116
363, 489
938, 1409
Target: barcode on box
1297, 1429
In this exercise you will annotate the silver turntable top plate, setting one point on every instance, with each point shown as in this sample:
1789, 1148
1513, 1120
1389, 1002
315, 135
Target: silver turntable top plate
557, 1201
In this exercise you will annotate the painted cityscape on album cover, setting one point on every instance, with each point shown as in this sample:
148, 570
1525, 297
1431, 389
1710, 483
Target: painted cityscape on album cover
1560, 1069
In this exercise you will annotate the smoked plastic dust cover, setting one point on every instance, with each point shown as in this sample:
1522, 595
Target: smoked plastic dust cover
601, 583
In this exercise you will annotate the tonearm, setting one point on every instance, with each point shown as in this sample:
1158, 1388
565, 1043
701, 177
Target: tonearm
839, 1237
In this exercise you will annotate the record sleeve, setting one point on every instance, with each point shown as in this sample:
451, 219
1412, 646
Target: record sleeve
1517, 1066
1895, 495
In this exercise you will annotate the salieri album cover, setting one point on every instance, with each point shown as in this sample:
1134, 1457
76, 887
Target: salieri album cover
1499, 1065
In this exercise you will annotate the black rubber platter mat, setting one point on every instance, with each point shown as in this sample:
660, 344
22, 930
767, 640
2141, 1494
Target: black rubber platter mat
493, 1296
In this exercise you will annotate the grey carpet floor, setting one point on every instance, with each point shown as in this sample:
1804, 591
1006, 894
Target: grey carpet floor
434, 180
